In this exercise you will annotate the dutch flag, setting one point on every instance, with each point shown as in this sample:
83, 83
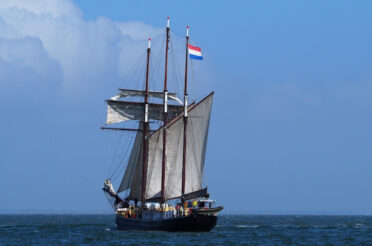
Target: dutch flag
195, 52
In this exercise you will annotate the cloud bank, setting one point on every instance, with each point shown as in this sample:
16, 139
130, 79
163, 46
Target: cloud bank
50, 42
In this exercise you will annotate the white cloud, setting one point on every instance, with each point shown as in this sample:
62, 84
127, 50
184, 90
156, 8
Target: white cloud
86, 51
55, 8
131, 29
26, 53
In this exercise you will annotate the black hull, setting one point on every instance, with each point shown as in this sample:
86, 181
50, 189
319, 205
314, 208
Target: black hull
199, 222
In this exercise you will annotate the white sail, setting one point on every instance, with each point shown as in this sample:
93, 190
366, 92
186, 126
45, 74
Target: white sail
119, 111
136, 93
154, 165
197, 138
136, 188
132, 178
134, 160
173, 170
197, 134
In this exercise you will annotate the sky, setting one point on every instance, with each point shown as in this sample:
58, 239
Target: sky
290, 130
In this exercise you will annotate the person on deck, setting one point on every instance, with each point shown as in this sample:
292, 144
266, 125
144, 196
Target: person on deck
194, 203
124, 204
201, 204
189, 204
136, 202
130, 211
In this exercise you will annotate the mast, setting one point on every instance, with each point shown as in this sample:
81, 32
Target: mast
145, 128
165, 116
185, 117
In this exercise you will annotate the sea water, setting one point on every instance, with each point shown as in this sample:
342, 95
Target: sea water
230, 230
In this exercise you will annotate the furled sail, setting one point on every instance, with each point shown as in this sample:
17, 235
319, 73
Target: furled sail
195, 194
119, 111
197, 134
136, 93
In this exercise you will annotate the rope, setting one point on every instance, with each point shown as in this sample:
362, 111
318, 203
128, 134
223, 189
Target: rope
157, 63
123, 160
194, 81
175, 73
140, 63
113, 159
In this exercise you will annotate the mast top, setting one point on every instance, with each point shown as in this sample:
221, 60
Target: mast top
187, 31
149, 46
168, 22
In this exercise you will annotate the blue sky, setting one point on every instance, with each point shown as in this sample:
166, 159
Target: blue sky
290, 130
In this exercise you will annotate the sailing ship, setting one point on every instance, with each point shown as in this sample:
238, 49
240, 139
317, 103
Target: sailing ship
166, 163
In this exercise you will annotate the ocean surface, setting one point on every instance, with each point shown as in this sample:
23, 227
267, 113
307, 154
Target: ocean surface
230, 230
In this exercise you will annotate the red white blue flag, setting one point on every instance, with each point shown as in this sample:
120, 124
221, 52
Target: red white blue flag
195, 52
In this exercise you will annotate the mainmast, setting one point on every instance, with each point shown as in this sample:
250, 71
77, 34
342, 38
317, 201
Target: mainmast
165, 116
145, 128
185, 116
